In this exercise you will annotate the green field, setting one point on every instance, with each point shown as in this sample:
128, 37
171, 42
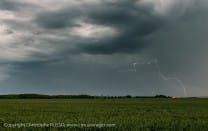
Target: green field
127, 114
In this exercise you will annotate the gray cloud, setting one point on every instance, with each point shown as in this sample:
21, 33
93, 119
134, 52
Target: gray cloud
118, 15
7, 5
13, 5
89, 47
58, 19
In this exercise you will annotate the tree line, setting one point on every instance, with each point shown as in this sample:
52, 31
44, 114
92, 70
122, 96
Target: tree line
41, 96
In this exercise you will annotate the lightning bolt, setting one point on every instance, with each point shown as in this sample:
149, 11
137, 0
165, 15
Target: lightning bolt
134, 66
165, 78
161, 75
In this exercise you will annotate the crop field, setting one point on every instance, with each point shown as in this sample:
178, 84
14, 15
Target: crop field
133, 114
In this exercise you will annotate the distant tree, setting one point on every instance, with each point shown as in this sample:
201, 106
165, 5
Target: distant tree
162, 96
128, 96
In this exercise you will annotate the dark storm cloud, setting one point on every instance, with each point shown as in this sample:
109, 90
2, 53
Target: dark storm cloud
90, 47
125, 44
134, 23
58, 20
103, 13
12, 5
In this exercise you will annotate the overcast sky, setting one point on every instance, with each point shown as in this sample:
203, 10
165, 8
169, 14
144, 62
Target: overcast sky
104, 47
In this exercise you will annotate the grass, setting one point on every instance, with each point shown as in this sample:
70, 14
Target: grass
128, 114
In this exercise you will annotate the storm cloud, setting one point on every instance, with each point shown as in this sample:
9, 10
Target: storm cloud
89, 46
116, 16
